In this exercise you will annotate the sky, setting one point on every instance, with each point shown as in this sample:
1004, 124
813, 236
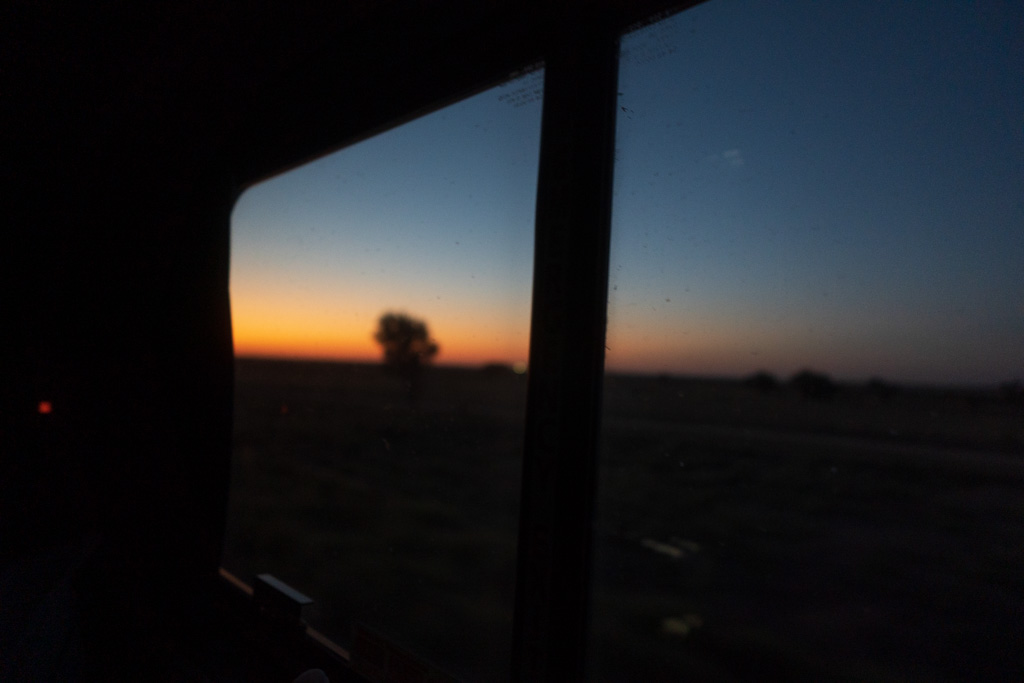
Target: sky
433, 219
836, 186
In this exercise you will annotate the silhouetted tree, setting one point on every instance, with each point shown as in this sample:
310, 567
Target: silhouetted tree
407, 347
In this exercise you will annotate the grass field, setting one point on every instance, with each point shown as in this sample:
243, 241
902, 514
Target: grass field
401, 517
772, 537
739, 533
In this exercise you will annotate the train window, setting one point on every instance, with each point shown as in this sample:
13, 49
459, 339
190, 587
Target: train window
813, 420
381, 305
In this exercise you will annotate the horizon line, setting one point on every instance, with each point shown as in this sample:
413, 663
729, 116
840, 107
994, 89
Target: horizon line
783, 379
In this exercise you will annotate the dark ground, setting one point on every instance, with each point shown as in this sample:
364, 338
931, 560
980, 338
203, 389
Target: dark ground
401, 517
740, 535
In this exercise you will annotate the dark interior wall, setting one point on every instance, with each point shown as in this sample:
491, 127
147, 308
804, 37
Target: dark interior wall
119, 311
131, 344
121, 158
116, 312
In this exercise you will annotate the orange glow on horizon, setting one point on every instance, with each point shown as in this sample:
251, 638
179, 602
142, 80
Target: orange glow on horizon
279, 332
266, 330
342, 356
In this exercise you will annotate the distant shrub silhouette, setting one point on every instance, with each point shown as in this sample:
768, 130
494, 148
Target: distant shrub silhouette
762, 381
407, 347
496, 369
814, 385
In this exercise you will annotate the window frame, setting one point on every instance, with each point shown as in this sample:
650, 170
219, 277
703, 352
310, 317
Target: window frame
567, 341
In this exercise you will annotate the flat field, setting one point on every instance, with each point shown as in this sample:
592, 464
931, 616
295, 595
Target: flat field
740, 534
749, 535
396, 515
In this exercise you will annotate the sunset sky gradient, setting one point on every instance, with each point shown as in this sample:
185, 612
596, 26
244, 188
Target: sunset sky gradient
798, 184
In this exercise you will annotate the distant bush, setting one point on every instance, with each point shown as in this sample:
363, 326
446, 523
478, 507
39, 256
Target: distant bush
814, 385
496, 369
762, 381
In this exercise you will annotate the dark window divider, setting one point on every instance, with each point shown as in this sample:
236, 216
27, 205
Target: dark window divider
570, 288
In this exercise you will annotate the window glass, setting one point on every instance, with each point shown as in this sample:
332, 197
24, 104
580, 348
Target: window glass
380, 304
813, 420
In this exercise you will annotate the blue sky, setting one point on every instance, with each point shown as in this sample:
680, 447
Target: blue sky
798, 184
830, 185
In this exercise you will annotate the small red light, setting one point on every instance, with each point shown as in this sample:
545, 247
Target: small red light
284, 409
45, 407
